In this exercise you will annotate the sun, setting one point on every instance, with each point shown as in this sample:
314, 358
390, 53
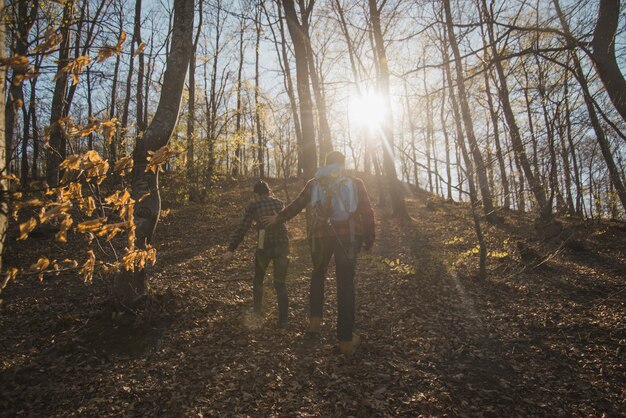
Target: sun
368, 110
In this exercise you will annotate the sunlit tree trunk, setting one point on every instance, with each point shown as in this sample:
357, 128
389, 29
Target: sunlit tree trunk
603, 141
141, 126
32, 105
298, 38
545, 210
481, 171
496, 139
26, 13
129, 287
4, 186
56, 152
236, 162
395, 190
191, 116
604, 57
260, 154
469, 166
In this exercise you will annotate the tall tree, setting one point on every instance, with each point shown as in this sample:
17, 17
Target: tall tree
481, 171
395, 190
130, 287
604, 57
297, 30
191, 115
603, 141
25, 15
56, 151
545, 210
4, 186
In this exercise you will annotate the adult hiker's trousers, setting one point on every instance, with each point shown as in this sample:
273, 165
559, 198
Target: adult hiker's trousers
345, 251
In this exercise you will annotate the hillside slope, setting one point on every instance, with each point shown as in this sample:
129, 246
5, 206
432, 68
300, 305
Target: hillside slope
545, 336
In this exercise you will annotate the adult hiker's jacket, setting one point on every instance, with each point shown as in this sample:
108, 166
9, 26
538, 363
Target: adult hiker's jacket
274, 235
363, 218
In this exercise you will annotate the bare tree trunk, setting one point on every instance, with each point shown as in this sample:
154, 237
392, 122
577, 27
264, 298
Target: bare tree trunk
395, 190
257, 97
140, 69
496, 140
545, 210
236, 165
32, 106
604, 58
298, 37
4, 186
114, 139
572, 148
481, 171
603, 141
191, 117
56, 152
25, 141
26, 16
325, 139
129, 287
469, 166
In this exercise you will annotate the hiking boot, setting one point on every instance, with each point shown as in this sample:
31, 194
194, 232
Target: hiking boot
349, 347
315, 325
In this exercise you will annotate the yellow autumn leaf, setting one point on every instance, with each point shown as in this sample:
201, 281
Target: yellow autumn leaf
41, 264
140, 48
89, 205
67, 222
124, 165
56, 211
53, 38
18, 63
9, 275
86, 270
26, 228
92, 225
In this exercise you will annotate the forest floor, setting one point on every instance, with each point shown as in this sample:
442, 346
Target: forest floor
541, 337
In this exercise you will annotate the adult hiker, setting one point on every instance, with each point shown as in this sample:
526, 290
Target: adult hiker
342, 223
272, 246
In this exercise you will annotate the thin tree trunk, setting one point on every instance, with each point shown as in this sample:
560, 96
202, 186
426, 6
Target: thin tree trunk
481, 171
25, 142
469, 166
191, 117
395, 190
257, 98
603, 141
545, 211
130, 287
140, 69
236, 165
56, 152
604, 58
4, 186
496, 140
298, 37
35, 128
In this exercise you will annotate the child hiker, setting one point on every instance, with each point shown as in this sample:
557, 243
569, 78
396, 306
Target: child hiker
272, 245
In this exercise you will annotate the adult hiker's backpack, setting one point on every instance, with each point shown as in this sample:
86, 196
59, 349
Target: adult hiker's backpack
334, 199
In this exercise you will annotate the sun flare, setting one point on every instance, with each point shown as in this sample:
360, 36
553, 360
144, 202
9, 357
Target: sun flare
368, 110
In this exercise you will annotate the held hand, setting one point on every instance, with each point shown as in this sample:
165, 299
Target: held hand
228, 255
269, 220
